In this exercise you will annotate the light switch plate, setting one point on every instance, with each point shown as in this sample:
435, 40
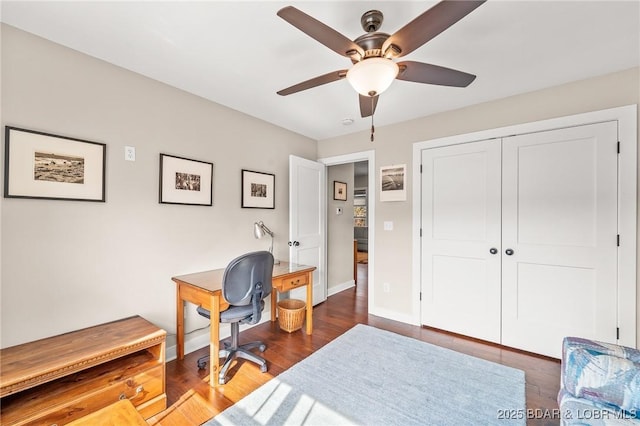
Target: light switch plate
130, 153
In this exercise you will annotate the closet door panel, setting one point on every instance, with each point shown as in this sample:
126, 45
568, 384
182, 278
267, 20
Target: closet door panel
460, 224
560, 226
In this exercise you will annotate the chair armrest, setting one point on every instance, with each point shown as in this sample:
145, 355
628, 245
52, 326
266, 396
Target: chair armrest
602, 372
570, 344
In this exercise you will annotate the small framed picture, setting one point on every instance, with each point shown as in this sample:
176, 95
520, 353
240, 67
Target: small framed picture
42, 165
393, 183
258, 190
339, 191
185, 181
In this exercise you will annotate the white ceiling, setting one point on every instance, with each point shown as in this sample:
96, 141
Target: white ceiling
239, 53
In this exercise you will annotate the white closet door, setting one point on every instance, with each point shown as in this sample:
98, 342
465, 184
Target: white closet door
460, 226
560, 224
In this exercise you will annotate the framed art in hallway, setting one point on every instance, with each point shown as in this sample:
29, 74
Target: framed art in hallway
258, 190
53, 167
185, 181
339, 191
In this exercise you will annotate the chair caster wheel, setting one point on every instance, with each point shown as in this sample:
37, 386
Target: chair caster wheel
263, 368
202, 365
262, 348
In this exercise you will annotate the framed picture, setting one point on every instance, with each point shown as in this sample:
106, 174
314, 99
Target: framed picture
258, 190
393, 183
339, 191
42, 165
185, 181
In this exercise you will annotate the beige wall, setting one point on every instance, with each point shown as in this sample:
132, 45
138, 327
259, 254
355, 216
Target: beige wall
393, 145
68, 264
339, 230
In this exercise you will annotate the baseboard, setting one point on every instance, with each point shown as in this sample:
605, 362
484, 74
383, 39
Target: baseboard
395, 316
340, 287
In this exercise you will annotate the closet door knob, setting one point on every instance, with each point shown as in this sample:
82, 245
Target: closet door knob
493, 250
508, 252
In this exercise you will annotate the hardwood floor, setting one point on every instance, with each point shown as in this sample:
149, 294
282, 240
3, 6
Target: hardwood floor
191, 401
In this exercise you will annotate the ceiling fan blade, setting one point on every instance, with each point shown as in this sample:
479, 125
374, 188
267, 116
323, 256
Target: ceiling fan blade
316, 81
428, 25
368, 105
321, 32
420, 72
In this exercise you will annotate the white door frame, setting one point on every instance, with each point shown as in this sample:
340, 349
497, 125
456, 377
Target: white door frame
369, 156
626, 116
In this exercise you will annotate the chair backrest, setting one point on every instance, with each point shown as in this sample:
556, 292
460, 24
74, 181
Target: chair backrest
246, 276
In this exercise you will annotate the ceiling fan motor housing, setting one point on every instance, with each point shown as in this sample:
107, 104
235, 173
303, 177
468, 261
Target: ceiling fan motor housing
371, 43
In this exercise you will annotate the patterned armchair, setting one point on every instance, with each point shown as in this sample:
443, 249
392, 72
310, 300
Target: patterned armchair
600, 383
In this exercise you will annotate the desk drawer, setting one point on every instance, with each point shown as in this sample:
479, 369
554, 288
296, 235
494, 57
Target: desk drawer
291, 282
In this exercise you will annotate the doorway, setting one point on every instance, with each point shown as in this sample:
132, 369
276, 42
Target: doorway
366, 159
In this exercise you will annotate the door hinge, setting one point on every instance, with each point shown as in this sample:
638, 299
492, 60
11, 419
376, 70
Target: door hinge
421, 296
421, 164
618, 240
617, 333
420, 232
618, 147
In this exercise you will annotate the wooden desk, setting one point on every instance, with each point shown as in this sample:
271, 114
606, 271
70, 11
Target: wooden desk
205, 289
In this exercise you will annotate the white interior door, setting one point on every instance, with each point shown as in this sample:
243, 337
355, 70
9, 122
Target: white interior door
559, 237
307, 218
461, 239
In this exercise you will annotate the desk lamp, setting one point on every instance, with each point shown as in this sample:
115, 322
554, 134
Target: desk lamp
259, 229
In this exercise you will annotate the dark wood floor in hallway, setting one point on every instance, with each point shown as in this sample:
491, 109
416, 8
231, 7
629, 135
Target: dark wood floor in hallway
191, 401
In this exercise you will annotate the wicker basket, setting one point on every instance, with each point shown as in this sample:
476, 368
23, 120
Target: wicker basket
291, 314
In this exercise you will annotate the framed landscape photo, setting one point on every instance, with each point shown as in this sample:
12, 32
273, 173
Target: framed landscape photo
185, 181
52, 167
339, 191
258, 190
393, 183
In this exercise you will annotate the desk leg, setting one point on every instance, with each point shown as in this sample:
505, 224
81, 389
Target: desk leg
214, 346
274, 302
179, 323
310, 304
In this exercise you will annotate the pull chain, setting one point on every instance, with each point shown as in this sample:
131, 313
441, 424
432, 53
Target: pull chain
371, 95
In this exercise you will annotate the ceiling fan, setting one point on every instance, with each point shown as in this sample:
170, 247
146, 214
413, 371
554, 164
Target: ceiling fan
373, 53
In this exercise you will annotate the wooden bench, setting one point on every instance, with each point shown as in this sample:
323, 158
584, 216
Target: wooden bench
63, 378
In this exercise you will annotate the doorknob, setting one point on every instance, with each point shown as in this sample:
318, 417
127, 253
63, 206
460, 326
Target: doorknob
493, 250
508, 252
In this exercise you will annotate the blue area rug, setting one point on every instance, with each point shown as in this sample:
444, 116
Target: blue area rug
369, 376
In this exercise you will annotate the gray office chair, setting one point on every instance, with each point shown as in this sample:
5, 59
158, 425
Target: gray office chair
245, 284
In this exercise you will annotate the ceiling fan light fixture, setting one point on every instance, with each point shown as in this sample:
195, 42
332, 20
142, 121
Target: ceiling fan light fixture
372, 76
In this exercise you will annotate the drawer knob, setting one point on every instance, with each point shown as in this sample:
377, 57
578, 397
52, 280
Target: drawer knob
139, 389
122, 396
